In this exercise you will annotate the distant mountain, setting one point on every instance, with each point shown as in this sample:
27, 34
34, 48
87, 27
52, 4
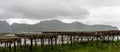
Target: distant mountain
4, 26
52, 25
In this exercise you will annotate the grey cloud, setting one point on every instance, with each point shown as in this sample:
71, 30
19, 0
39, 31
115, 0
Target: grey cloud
41, 9
100, 3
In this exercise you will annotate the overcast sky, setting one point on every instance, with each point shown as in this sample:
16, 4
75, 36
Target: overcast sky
85, 11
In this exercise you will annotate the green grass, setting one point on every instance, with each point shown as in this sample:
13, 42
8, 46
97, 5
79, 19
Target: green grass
103, 46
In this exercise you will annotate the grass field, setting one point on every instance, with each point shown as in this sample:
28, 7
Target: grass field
103, 46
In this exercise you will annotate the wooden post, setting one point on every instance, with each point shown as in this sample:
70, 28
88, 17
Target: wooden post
62, 39
52, 43
88, 38
9, 45
82, 38
35, 42
20, 43
25, 43
113, 39
67, 39
4, 50
117, 38
78, 38
49, 41
97, 39
108, 40
31, 40
56, 40
71, 39
5, 44
42, 42
14, 46
74, 39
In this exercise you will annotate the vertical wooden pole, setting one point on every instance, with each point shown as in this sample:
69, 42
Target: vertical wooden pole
88, 38
62, 39
108, 39
52, 43
49, 41
56, 40
113, 40
9, 45
117, 40
71, 39
31, 40
20, 43
97, 39
35, 42
42, 42
67, 39
82, 38
74, 39
4, 50
117, 37
78, 38
14, 46
5, 44
25, 43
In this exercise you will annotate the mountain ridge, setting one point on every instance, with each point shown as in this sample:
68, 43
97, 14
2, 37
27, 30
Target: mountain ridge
52, 25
